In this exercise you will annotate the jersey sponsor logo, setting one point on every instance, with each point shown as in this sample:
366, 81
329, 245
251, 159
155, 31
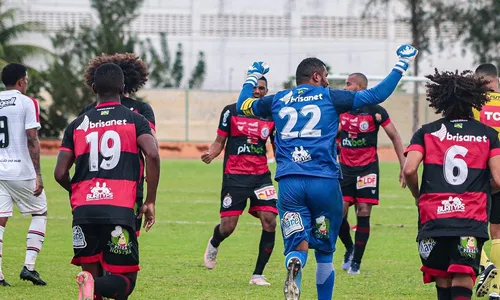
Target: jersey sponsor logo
224, 119
291, 222
300, 155
120, 241
353, 142
367, 181
363, 126
87, 124
227, 201
289, 98
443, 134
252, 149
7, 102
425, 247
468, 247
79, 241
253, 124
490, 115
452, 205
322, 228
99, 192
266, 193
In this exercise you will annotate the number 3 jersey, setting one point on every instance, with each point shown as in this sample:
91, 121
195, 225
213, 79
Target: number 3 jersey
455, 188
18, 113
107, 164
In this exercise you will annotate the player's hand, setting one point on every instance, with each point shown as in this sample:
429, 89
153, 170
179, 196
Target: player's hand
406, 54
402, 179
148, 211
256, 71
206, 157
39, 186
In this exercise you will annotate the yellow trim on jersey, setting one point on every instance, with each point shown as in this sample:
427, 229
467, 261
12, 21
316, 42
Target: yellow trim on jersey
494, 100
246, 107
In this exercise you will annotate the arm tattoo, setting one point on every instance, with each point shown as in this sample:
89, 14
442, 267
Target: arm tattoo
34, 149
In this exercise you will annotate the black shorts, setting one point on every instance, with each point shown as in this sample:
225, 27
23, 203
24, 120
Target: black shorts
445, 256
233, 200
114, 246
362, 188
495, 209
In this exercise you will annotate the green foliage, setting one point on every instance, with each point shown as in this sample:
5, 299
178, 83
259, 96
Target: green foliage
198, 74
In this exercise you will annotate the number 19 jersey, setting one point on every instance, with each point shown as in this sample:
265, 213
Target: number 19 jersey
107, 171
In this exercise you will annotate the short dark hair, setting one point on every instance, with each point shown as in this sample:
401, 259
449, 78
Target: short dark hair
12, 72
264, 79
487, 69
108, 80
362, 76
455, 94
134, 69
307, 68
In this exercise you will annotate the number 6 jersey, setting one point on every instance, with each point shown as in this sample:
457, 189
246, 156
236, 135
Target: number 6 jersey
107, 166
455, 187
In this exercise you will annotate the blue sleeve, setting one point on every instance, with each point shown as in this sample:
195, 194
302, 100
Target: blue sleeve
345, 100
250, 106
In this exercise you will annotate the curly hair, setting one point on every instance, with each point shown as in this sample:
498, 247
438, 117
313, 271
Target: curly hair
133, 67
455, 94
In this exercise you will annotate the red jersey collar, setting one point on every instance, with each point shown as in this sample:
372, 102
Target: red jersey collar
111, 103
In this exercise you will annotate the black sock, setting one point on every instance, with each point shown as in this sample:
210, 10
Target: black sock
361, 237
443, 293
345, 234
460, 293
114, 286
266, 247
217, 238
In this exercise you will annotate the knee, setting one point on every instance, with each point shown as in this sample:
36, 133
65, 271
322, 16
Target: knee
495, 231
363, 211
227, 227
269, 222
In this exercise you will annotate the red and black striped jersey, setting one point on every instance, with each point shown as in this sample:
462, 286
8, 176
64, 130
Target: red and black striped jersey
455, 189
107, 163
358, 138
245, 160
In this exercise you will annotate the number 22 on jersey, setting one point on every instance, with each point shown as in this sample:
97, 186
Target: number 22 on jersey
109, 146
293, 116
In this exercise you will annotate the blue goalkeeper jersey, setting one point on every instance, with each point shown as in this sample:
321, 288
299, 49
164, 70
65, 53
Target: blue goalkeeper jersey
306, 120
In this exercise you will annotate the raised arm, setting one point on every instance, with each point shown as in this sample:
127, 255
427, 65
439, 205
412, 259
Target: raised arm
248, 105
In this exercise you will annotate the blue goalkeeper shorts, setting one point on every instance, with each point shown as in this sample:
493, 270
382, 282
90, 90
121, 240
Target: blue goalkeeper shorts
311, 209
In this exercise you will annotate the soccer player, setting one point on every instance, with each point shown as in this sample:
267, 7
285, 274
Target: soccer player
246, 176
309, 197
104, 144
490, 115
458, 154
359, 164
135, 76
20, 174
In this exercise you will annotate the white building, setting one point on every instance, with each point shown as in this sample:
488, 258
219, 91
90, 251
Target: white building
234, 33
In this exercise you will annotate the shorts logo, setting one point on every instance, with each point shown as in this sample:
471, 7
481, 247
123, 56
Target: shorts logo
425, 247
291, 223
322, 230
266, 193
363, 126
453, 204
468, 246
79, 241
367, 181
120, 242
264, 133
227, 201
99, 192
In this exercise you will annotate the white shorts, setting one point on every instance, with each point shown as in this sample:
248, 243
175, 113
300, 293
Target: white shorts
21, 193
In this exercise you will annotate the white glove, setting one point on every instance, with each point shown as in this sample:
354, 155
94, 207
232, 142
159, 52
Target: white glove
407, 54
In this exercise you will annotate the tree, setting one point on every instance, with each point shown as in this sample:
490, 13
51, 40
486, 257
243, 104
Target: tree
198, 74
422, 16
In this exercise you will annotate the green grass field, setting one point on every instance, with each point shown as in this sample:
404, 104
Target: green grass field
172, 252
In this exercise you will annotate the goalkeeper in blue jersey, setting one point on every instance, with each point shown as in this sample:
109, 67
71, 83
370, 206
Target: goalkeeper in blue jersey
309, 198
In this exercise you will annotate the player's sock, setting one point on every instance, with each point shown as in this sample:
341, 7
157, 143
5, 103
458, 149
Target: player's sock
2, 229
443, 293
114, 286
495, 259
302, 256
484, 260
460, 293
34, 240
345, 234
325, 275
266, 247
217, 238
361, 237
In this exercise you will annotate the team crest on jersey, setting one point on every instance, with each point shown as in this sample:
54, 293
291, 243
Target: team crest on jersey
452, 205
367, 181
227, 201
322, 229
425, 247
7, 102
300, 155
120, 241
363, 126
291, 222
266, 193
79, 241
264, 133
468, 246
99, 192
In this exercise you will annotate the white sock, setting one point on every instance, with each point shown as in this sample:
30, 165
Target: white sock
34, 240
2, 229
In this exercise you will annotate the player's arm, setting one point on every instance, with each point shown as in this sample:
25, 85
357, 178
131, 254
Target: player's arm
494, 160
32, 125
215, 149
148, 113
414, 156
248, 105
395, 138
65, 159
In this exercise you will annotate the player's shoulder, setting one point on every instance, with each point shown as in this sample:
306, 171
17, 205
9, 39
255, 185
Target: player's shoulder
494, 98
231, 108
13, 97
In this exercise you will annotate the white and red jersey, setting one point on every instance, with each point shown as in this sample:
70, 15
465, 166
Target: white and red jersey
18, 113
